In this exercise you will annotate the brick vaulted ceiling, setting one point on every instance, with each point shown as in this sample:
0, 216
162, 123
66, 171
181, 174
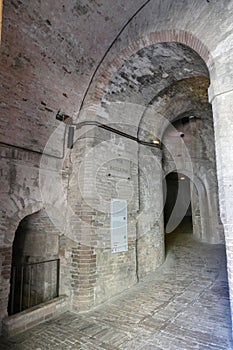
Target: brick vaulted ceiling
153, 69
51, 49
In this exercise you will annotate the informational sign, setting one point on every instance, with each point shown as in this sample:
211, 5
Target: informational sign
119, 168
119, 234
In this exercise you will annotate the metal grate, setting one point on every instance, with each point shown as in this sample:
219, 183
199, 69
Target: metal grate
33, 284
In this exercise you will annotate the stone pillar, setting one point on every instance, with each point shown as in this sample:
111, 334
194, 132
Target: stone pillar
150, 233
80, 229
221, 97
104, 168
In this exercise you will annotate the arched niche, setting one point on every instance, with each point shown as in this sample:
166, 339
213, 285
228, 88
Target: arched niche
34, 265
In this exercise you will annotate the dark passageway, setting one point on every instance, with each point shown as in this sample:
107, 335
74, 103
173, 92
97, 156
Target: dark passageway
177, 182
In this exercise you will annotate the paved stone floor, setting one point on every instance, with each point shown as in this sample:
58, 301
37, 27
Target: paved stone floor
182, 306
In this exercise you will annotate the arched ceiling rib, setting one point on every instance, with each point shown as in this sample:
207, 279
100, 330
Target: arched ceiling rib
183, 98
153, 69
169, 78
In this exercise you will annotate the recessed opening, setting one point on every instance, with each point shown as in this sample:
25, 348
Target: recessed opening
177, 209
35, 264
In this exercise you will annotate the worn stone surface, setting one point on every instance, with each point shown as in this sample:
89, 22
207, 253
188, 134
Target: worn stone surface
184, 305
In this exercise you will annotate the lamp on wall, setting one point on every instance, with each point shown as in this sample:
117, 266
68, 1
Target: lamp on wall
156, 142
64, 117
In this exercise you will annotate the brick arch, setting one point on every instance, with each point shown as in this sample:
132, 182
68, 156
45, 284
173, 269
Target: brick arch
14, 220
171, 35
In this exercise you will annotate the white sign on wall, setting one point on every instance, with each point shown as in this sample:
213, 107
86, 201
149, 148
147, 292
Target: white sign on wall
119, 168
119, 234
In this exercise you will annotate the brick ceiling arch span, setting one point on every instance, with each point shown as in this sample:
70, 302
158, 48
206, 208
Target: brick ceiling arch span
173, 40
196, 180
193, 23
169, 78
184, 98
13, 220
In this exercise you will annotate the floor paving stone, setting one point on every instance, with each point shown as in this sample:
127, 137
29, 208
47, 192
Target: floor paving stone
184, 305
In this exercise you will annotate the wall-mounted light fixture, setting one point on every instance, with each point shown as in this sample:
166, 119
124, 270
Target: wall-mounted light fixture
182, 177
156, 142
64, 117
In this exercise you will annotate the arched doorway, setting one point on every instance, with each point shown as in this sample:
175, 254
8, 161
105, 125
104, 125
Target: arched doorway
177, 208
35, 263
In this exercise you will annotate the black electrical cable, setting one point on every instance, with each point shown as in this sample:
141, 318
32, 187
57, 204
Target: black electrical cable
116, 131
78, 126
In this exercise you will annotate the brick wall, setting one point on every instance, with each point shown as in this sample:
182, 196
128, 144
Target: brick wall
99, 273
